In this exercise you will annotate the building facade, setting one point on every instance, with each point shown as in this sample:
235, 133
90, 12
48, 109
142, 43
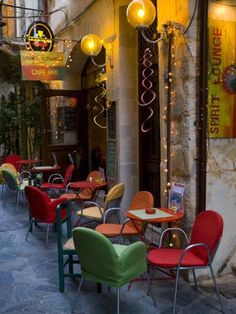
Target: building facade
186, 150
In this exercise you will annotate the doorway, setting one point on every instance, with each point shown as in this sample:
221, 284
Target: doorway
93, 82
65, 128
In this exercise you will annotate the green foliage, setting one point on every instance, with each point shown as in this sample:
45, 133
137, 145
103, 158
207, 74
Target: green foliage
30, 122
10, 68
20, 117
8, 124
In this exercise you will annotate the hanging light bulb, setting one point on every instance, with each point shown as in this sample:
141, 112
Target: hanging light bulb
91, 45
141, 13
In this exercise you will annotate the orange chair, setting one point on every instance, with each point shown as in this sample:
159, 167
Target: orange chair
198, 254
58, 183
142, 199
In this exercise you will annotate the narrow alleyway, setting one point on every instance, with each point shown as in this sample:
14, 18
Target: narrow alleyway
29, 280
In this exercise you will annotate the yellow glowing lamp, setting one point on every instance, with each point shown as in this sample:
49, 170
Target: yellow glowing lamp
91, 45
141, 13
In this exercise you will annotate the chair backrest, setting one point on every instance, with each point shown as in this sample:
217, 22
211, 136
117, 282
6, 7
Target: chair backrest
101, 262
141, 199
208, 229
38, 202
114, 196
10, 179
41, 206
9, 167
12, 159
68, 174
96, 253
54, 157
95, 175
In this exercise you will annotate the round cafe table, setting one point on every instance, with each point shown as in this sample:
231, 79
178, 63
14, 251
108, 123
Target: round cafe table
46, 171
26, 163
161, 215
78, 186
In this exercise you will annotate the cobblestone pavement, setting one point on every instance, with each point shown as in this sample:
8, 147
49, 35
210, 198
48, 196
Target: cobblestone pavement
29, 280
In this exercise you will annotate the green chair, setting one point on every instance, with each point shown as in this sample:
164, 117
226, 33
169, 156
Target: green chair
67, 256
14, 184
106, 263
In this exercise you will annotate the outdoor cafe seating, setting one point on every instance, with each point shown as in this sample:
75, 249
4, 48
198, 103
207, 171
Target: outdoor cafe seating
93, 212
112, 264
126, 228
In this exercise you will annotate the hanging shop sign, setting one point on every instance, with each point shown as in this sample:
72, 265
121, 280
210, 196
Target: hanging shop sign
222, 79
39, 37
42, 66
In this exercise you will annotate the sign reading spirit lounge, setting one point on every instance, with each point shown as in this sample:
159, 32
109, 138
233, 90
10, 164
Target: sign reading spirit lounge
222, 76
38, 62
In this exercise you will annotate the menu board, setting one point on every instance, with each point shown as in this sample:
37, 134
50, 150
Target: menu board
111, 159
70, 118
111, 141
112, 121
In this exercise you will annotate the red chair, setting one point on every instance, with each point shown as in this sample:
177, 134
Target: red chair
42, 208
142, 199
198, 254
54, 185
12, 159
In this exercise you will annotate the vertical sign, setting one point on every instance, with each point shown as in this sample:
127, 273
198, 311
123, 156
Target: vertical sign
222, 79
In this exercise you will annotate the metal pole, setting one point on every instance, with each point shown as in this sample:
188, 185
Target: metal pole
202, 109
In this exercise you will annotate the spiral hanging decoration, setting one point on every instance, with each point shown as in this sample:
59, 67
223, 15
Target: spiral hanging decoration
99, 99
148, 93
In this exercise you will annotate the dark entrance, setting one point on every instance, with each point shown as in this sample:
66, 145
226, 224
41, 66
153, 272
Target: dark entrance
150, 141
65, 128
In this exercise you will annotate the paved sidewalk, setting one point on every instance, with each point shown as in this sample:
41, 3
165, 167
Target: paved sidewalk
29, 280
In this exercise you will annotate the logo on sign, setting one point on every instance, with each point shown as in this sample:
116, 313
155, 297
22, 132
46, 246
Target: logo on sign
39, 37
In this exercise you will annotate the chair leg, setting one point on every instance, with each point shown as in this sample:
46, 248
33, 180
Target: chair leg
46, 243
118, 300
216, 288
195, 280
17, 200
77, 296
150, 289
176, 289
29, 228
61, 272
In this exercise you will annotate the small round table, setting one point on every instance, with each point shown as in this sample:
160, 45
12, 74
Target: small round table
161, 215
77, 186
45, 170
23, 163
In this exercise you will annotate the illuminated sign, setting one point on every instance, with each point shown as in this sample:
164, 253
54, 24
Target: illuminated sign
42, 66
222, 79
39, 37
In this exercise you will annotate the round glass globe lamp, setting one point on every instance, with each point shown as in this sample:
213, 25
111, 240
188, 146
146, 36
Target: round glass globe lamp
91, 45
141, 13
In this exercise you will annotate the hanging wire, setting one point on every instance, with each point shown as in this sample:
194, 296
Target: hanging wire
192, 18
148, 95
100, 99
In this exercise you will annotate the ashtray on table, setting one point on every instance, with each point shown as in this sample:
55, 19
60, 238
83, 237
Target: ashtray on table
150, 211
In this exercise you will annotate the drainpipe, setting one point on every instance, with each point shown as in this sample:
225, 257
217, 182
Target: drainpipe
202, 108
